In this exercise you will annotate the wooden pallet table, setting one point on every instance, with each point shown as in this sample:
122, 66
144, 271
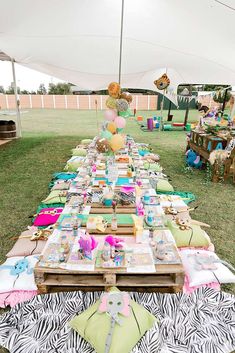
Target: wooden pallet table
167, 278
97, 208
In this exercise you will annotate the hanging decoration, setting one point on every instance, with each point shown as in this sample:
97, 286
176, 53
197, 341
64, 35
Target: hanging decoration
163, 82
118, 104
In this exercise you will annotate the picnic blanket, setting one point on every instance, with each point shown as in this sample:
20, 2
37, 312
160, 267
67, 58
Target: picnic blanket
201, 322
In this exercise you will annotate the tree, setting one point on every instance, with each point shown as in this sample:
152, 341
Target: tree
222, 96
24, 91
42, 89
2, 90
59, 88
10, 90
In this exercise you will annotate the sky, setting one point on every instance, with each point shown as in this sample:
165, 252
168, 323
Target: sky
25, 78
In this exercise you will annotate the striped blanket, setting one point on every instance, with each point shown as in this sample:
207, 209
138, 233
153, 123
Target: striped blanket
203, 322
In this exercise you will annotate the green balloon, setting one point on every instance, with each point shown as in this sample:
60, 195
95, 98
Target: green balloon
125, 114
119, 129
106, 134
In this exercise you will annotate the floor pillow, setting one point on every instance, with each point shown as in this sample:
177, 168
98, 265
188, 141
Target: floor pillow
65, 185
86, 141
26, 247
164, 185
56, 196
129, 320
195, 236
16, 273
64, 176
202, 267
15, 297
187, 197
74, 163
47, 216
79, 152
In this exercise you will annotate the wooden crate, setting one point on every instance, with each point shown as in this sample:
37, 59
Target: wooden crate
167, 278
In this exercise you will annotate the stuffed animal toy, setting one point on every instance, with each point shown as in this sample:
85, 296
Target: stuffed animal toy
219, 156
87, 243
114, 304
193, 160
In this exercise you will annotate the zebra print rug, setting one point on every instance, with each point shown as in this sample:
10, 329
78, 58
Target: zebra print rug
203, 322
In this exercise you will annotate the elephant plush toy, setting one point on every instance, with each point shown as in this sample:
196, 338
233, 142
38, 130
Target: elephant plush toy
193, 159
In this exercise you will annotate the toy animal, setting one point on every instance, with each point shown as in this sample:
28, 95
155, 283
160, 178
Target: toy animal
219, 156
87, 244
193, 160
114, 303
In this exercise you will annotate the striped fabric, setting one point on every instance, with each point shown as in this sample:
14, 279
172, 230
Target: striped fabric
203, 322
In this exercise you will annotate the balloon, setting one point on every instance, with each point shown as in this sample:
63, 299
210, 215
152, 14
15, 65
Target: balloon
120, 122
106, 134
114, 89
119, 129
111, 103
102, 145
116, 142
110, 114
163, 82
121, 105
127, 96
112, 127
125, 114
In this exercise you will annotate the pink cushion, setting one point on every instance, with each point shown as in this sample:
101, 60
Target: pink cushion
188, 290
16, 297
47, 216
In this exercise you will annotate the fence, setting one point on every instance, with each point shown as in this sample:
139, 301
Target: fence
36, 101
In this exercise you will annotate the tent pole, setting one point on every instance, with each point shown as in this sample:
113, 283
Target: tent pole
187, 109
224, 102
18, 132
120, 51
169, 109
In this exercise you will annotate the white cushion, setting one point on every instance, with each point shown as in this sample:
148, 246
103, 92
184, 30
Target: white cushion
24, 281
199, 277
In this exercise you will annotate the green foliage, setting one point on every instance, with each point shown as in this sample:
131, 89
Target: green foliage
2, 90
59, 88
42, 89
219, 98
24, 91
10, 90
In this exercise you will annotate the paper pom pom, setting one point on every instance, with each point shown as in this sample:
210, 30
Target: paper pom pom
111, 103
120, 122
106, 134
114, 89
116, 142
121, 105
112, 127
110, 114
102, 145
127, 96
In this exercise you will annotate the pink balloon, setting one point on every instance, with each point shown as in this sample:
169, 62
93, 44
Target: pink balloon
110, 114
120, 122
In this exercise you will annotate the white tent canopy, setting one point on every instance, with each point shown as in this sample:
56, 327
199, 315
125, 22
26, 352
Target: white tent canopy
78, 40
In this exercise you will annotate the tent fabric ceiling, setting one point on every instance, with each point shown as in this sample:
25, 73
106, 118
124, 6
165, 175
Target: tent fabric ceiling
78, 40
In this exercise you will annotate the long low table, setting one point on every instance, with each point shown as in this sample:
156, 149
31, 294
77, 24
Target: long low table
168, 278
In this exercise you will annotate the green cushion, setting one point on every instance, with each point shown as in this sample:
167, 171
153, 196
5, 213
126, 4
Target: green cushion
73, 166
94, 328
194, 237
55, 196
86, 141
121, 218
187, 197
164, 185
154, 167
79, 152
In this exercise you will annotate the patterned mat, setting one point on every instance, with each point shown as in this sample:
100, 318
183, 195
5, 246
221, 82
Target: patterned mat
203, 322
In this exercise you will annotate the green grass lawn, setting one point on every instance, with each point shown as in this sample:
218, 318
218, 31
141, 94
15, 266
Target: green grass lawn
26, 166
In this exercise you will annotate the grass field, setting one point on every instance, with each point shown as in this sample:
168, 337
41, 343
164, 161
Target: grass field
26, 166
